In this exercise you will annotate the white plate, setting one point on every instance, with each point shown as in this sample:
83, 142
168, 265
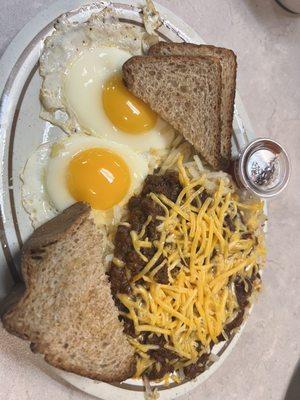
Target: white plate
21, 131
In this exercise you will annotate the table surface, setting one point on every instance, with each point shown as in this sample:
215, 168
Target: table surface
266, 40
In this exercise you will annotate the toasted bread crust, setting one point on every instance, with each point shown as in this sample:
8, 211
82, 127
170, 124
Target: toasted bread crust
117, 377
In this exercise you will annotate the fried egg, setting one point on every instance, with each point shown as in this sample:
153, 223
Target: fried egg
81, 168
83, 90
104, 107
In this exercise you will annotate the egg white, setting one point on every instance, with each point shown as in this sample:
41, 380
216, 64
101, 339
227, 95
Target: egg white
76, 60
62, 154
84, 83
35, 198
45, 192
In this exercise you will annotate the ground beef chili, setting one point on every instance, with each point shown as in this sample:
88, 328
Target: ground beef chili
203, 196
167, 184
162, 355
243, 291
128, 326
122, 242
118, 280
162, 275
234, 324
246, 235
154, 373
152, 338
162, 366
139, 208
191, 371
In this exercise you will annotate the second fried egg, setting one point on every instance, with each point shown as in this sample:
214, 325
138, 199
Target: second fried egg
81, 168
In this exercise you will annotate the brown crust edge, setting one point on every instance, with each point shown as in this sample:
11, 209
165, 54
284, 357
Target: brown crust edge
98, 377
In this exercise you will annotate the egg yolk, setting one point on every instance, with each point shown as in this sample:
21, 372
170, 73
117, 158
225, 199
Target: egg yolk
125, 111
99, 177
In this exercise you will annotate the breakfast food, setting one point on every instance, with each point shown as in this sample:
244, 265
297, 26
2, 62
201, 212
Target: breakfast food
83, 93
149, 255
186, 92
82, 168
186, 267
82, 89
67, 311
228, 63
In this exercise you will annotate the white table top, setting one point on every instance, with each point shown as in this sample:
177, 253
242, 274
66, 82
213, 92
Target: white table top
266, 40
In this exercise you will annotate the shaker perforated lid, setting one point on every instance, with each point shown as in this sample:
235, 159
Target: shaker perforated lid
264, 168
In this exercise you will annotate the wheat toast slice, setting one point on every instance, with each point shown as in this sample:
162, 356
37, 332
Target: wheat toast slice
67, 311
186, 92
229, 66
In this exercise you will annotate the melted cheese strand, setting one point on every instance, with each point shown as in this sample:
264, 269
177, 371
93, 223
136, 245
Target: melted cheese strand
153, 260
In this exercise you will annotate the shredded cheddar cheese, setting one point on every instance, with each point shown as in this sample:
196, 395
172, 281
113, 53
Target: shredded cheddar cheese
202, 254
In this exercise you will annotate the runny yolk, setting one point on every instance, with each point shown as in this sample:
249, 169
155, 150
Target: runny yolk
99, 177
125, 111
